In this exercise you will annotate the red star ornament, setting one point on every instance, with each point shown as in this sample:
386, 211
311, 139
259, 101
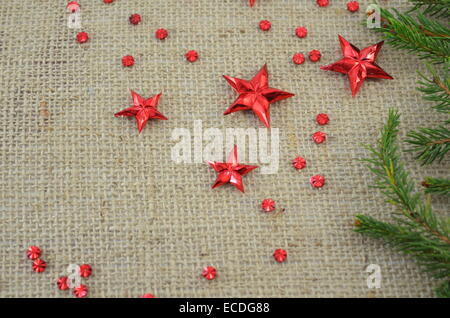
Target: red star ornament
255, 95
251, 3
230, 171
143, 110
358, 64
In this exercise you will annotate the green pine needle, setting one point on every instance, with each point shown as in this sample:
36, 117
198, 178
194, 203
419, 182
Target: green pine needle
430, 143
437, 186
437, 8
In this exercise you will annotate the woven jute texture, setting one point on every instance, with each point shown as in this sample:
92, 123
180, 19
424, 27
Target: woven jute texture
87, 188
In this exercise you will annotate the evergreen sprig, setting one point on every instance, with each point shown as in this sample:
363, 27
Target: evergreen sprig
415, 230
437, 8
437, 88
430, 143
437, 186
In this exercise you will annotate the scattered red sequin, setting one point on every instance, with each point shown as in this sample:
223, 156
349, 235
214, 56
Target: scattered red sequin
301, 32
315, 55
161, 34
317, 181
298, 58
80, 291
127, 61
82, 37
108, 1
322, 119
73, 6
322, 3
265, 25
353, 6
191, 56
39, 265
299, 163
319, 137
85, 270
209, 272
280, 255
268, 205
62, 283
148, 296
135, 19
33, 252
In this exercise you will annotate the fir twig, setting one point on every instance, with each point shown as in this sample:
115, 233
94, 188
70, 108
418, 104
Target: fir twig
437, 88
437, 186
438, 8
430, 143
416, 230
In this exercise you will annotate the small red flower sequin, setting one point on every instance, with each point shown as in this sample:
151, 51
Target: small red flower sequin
82, 37
280, 255
161, 34
319, 137
353, 6
268, 205
80, 291
62, 283
299, 163
301, 32
265, 25
322, 119
191, 56
135, 19
108, 1
127, 61
85, 270
317, 181
39, 265
315, 55
298, 58
322, 3
148, 296
33, 252
209, 272
73, 6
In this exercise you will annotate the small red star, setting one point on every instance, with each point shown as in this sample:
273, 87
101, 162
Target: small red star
251, 2
358, 64
255, 95
143, 110
230, 171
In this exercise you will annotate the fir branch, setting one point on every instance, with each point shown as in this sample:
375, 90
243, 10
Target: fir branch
443, 290
430, 143
438, 8
416, 230
437, 186
437, 88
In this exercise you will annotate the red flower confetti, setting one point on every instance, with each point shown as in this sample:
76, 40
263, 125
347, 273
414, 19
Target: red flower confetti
73, 6
148, 296
127, 61
143, 110
317, 181
280, 255
255, 95
191, 56
82, 37
135, 19
353, 6
161, 34
209, 272
265, 25
322, 3
301, 32
62, 283
322, 119
315, 55
108, 1
268, 205
85, 270
298, 58
299, 163
39, 265
251, 2
33, 252
358, 64
80, 291
319, 137
230, 171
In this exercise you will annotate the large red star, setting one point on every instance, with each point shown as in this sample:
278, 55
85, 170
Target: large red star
255, 95
143, 110
251, 2
230, 171
358, 65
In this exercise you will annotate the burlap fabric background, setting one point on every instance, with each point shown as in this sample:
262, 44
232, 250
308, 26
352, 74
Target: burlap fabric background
87, 188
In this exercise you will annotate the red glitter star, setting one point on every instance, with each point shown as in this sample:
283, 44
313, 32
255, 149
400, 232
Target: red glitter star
231, 171
358, 64
255, 95
143, 110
